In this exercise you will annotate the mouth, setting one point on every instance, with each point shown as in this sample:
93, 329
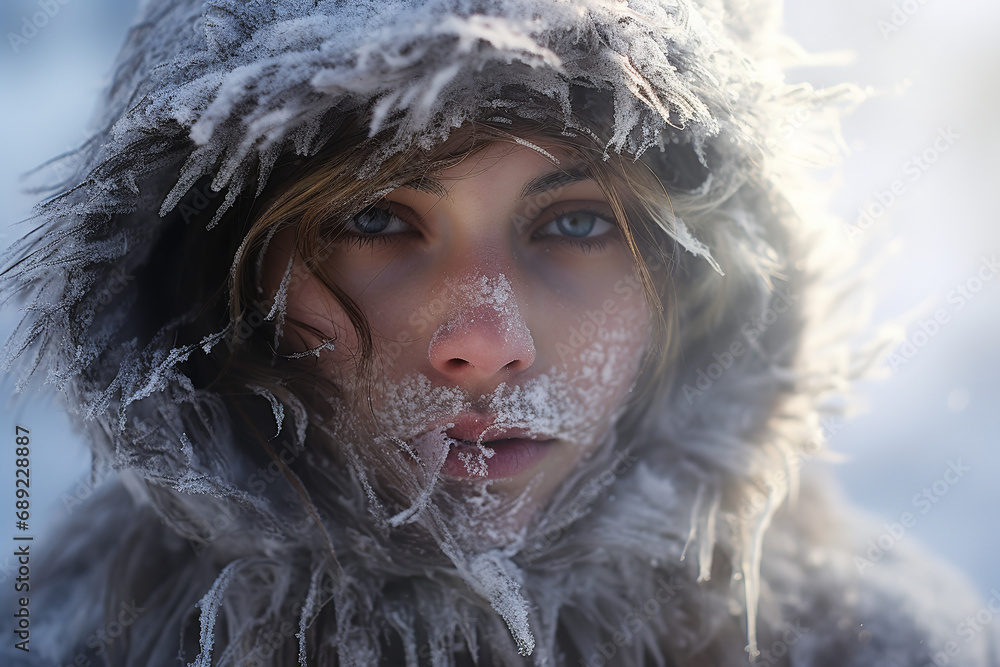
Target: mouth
479, 449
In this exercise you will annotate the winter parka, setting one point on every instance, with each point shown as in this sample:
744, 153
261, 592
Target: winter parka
707, 536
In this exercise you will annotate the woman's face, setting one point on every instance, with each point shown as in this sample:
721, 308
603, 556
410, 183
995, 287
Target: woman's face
508, 320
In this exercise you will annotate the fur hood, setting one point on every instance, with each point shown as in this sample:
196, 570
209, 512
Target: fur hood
691, 540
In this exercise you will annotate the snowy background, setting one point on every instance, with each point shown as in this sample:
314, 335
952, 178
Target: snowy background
929, 134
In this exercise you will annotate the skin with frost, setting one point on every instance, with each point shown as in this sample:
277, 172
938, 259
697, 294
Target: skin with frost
502, 350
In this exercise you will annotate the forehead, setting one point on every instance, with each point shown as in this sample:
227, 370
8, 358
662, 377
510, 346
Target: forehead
525, 168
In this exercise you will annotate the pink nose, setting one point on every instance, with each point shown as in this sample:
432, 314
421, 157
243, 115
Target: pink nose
483, 335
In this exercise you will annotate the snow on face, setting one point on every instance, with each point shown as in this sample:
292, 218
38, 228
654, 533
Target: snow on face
503, 352
497, 295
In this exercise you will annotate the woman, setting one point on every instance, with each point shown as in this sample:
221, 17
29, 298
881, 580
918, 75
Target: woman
504, 345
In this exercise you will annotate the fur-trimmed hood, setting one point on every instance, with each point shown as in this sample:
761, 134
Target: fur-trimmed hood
690, 540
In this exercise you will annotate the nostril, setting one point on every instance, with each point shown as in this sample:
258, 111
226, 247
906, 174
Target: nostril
482, 334
514, 365
456, 364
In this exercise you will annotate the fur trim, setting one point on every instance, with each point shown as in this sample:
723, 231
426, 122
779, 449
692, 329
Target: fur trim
674, 546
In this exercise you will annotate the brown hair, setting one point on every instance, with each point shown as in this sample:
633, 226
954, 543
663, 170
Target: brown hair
313, 195
303, 202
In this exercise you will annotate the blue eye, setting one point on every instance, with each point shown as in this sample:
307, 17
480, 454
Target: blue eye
378, 221
577, 225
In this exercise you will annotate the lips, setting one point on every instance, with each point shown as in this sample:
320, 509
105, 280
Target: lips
505, 452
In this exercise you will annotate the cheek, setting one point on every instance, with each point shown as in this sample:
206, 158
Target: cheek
601, 354
590, 350
613, 347
313, 316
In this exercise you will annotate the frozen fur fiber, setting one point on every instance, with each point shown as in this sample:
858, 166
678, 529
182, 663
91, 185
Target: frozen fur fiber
690, 541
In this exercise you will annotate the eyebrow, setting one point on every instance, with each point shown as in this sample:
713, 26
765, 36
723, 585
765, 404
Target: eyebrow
535, 186
553, 180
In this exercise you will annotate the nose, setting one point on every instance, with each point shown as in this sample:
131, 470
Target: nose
482, 339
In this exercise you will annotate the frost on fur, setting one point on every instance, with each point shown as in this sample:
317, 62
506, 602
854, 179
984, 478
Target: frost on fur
209, 99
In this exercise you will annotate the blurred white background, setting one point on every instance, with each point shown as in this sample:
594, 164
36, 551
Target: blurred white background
937, 63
